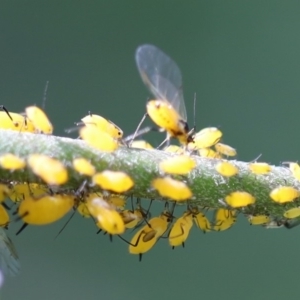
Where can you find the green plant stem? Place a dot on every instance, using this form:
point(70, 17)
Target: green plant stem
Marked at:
point(208, 187)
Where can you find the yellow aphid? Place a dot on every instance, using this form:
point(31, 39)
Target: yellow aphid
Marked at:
point(51, 170)
point(174, 149)
point(147, 236)
point(46, 209)
point(22, 191)
point(226, 169)
point(83, 210)
point(4, 217)
point(15, 122)
point(224, 219)
point(131, 218)
point(117, 201)
point(200, 220)
point(117, 182)
point(5, 192)
point(103, 125)
point(12, 162)
point(163, 78)
point(239, 199)
point(180, 230)
point(284, 194)
point(107, 218)
point(205, 138)
point(178, 165)
point(295, 169)
point(39, 120)
point(83, 166)
point(208, 152)
point(260, 168)
point(292, 213)
point(225, 149)
point(259, 219)
point(98, 139)
point(172, 188)
point(141, 144)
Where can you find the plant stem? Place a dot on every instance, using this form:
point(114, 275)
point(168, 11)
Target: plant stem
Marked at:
point(207, 185)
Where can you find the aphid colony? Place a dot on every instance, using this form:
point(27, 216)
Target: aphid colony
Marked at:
point(112, 207)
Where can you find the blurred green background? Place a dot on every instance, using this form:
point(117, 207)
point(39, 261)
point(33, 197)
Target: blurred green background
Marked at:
point(241, 57)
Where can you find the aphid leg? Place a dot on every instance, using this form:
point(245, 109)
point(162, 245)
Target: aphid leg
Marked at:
point(131, 200)
point(81, 189)
point(138, 128)
point(129, 243)
point(6, 206)
point(130, 138)
point(165, 141)
point(147, 214)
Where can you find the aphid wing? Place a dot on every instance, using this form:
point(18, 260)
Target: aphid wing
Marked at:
point(161, 75)
point(152, 61)
point(163, 89)
point(9, 263)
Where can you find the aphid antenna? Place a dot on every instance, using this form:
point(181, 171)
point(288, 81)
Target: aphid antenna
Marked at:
point(72, 129)
point(194, 128)
point(2, 107)
point(65, 225)
point(256, 159)
point(22, 228)
point(45, 95)
point(288, 162)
